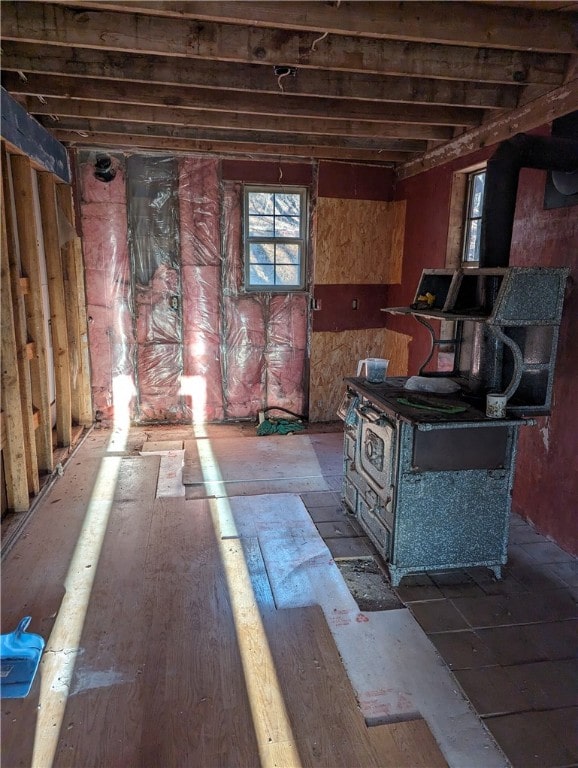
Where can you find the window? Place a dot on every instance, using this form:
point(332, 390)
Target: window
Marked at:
point(275, 227)
point(473, 216)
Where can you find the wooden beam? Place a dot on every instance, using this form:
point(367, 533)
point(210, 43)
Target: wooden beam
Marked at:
point(88, 62)
point(26, 135)
point(388, 149)
point(19, 319)
point(228, 101)
point(130, 141)
point(556, 103)
point(134, 33)
point(76, 320)
point(49, 215)
point(13, 454)
point(393, 135)
point(30, 257)
point(467, 24)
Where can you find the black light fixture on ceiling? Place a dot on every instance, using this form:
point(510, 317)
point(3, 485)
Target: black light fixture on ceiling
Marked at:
point(103, 170)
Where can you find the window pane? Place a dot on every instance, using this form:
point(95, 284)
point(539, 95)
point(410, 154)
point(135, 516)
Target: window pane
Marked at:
point(287, 204)
point(287, 226)
point(286, 275)
point(261, 253)
point(472, 251)
point(259, 274)
point(478, 194)
point(288, 253)
point(261, 226)
point(260, 202)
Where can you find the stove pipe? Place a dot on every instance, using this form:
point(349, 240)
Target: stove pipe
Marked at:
point(501, 187)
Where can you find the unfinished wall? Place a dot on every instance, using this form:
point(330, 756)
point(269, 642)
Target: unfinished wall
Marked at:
point(546, 484)
point(358, 255)
point(169, 318)
point(335, 355)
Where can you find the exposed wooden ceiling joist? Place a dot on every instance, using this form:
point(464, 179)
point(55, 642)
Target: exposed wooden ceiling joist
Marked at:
point(225, 101)
point(134, 33)
point(88, 62)
point(409, 83)
point(465, 24)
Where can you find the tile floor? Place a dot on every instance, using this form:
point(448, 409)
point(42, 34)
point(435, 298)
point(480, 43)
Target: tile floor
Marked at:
point(511, 644)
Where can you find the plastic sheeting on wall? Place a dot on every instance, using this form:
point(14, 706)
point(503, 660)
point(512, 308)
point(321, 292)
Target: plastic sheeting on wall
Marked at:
point(169, 317)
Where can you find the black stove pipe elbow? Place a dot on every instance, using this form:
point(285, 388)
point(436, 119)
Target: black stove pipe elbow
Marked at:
point(501, 187)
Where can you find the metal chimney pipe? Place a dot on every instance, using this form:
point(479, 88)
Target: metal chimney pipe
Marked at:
point(501, 187)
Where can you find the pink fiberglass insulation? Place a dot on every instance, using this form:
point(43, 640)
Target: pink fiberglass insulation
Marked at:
point(232, 239)
point(95, 191)
point(199, 212)
point(245, 381)
point(108, 283)
point(159, 387)
point(285, 367)
point(202, 341)
point(288, 320)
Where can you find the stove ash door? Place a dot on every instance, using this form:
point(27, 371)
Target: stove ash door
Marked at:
point(376, 449)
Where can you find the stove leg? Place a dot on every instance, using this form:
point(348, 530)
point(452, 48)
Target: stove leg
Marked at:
point(497, 571)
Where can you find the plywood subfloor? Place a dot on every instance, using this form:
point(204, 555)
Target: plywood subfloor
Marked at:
point(163, 671)
point(251, 465)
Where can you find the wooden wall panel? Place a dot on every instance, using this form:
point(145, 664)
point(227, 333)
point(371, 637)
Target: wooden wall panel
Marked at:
point(335, 355)
point(358, 241)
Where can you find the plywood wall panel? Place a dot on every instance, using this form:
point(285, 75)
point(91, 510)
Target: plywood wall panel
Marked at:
point(335, 355)
point(358, 241)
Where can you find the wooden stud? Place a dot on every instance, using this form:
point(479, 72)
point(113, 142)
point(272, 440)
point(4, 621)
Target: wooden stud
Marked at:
point(13, 450)
point(30, 257)
point(24, 284)
point(19, 315)
point(76, 320)
point(49, 214)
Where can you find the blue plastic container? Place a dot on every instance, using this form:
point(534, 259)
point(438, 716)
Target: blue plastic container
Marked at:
point(20, 654)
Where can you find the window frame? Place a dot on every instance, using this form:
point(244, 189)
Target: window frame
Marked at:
point(302, 240)
point(468, 217)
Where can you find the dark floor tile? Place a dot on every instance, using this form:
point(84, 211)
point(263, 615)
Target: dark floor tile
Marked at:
point(457, 584)
point(438, 616)
point(491, 690)
point(507, 585)
point(486, 611)
point(334, 513)
point(524, 534)
point(416, 588)
point(534, 576)
point(564, 723)
point(518, 555)
point(463, 650)
point(547, 552)
point(513, 645)
point(516, 520)
point(554, 605)
point(547, 684)
point(321, 499)
point(529, 739)
point(568, 572)
point(555, 639)
point(349, 547)
point(336, 529)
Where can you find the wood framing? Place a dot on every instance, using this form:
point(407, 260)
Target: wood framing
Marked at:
point(76, 321)
point(560, 101)
point(21, 339)
point(30, 257)
point(14, 458)
point(49, 215)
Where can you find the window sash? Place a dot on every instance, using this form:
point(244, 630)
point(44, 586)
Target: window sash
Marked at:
point(275, 266)
point(472, 221)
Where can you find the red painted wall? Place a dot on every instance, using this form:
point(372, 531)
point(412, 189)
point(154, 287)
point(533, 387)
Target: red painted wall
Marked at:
point(546, 484)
